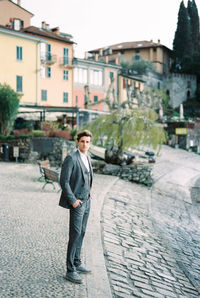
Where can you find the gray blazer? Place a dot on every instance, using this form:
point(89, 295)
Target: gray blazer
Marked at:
point(74, 180)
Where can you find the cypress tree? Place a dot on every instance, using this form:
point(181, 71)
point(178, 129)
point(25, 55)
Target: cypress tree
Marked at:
point(194, 23)
point(182, 45)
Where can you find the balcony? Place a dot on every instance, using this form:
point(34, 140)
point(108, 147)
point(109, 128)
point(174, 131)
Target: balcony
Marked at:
point(48, 59)
point(67, 62)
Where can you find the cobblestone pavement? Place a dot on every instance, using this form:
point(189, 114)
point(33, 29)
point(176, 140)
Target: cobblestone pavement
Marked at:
point(152, 240)
point(34, 235)
point(144, 253)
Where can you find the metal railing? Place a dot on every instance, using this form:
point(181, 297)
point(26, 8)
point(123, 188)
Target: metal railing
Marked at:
point(48, 58)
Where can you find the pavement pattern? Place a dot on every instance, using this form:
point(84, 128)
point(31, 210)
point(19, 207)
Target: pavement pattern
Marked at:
point(140, 242)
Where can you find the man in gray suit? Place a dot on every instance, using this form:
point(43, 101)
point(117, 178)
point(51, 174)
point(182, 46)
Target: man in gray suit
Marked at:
point(76, 181)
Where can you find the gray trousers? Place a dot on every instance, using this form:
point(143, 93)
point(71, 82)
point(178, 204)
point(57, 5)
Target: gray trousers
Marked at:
point(77, 227)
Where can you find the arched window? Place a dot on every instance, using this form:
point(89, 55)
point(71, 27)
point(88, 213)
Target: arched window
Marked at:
point(188, 94)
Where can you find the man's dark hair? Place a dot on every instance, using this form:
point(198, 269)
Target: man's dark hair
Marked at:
point(84, 133)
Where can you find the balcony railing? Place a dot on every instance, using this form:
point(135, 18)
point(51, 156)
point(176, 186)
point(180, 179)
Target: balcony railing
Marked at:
point(67, 62)
point(48, 58)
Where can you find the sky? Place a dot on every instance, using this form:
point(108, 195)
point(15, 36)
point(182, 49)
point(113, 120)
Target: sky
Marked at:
point(100, 23)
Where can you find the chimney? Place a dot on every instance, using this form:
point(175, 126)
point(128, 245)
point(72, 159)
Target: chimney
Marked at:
point(151, 40)
point(159, 41)
point(86, 55)
point(19, 2)
point(43, 25)
point(56, 30)
point(96, 57)
point(101, 52)
point(47, 27)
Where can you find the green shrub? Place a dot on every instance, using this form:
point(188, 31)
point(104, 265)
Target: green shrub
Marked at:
point(38, 133)
point(9, 137)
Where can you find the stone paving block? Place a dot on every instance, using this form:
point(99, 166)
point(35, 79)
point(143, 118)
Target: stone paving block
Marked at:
point(117, 249)
point(117, 271)
point(122, 285)
point(139, 278)
point(143, 285)
point(115, 276)
point(121, 290)
point(166, 293)
point(152, 294)
point(111, 240)
point(166, 276)
point(167, 286)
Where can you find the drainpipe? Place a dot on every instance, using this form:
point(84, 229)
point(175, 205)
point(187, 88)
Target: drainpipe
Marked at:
point(38, 42)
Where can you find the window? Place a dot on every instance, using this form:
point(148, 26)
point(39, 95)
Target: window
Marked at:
point(95, 98)
point(17, 24)
point(43, 51)
point(65, 97)
point(76, 100)
point(80, 75)
point(49, 52)
point(65, 75)
point(136, 58)
point(19, 84)
point(42, 71)
point(49, 72)
point(44, 95)
point(65, 56)
point(111, 74)
point(19, 53)
point(96, 77)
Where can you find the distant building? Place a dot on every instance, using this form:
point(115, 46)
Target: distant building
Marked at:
point(92, 80)
point(130, 52)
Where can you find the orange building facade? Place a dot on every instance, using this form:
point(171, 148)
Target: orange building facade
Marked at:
point(13, 15)
point(56, 69)
point(131, 52)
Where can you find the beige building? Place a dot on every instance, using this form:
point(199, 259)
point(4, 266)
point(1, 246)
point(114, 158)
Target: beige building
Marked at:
point(131, 52)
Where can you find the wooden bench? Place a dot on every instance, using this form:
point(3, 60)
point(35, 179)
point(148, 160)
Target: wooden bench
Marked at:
point(50, 177)
point(43, 164)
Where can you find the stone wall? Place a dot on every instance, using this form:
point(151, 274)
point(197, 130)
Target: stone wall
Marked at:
point(180, 87)
point(33, 149)
point(140, 173)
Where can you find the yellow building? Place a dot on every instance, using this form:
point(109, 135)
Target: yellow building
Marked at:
point(130, 52)
point(36, 62)
point(20, 63)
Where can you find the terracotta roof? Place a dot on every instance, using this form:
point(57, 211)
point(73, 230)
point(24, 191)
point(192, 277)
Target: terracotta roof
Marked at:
point(131, 45)
point(46, 33)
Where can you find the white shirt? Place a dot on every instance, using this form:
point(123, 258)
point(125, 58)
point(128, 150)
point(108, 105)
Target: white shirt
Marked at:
point(85, 160)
